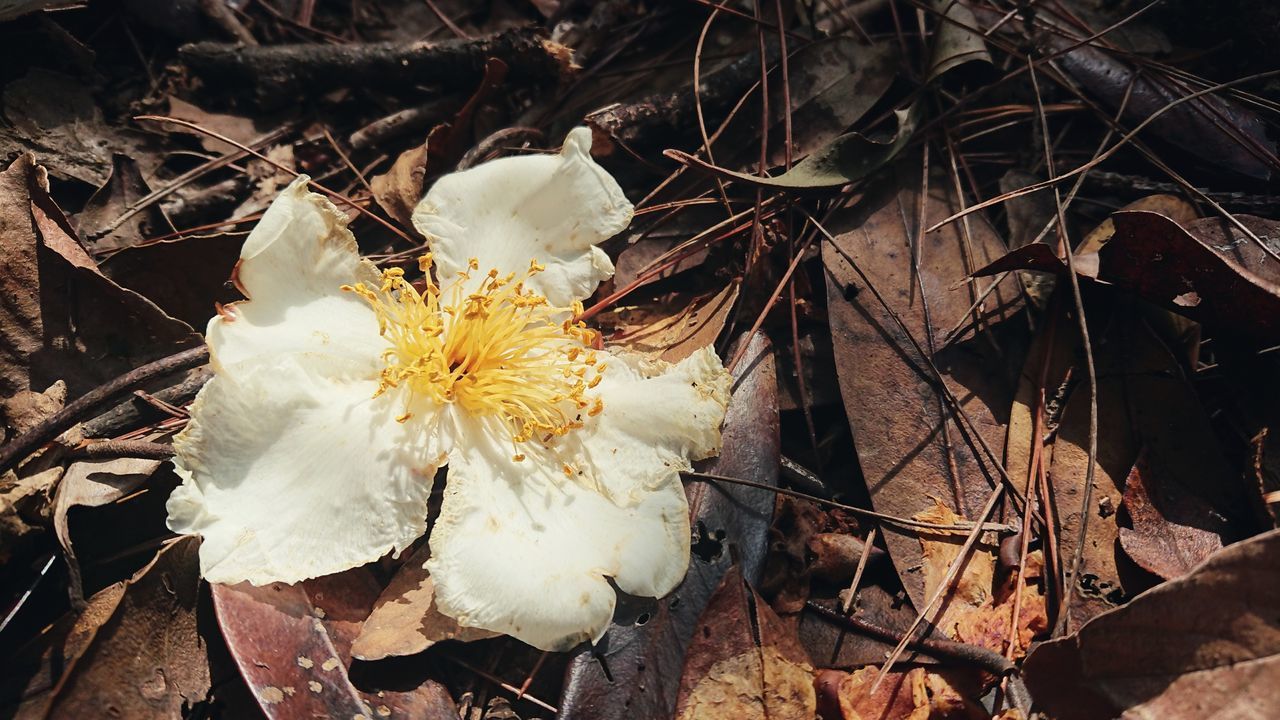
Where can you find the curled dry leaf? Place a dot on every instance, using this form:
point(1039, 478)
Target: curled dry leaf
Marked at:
point(958, 40)
point(67, 322)
point(1209, 271)
point(1205, 645)
point(633, 673)
point(405, 619)
point(1172, 529)
point(674, 336)
point(292, 644)
point(399, 190)
point(911, 446)
point(744, 663)
point(148, 660)
point(94, 483)
point(844, 160)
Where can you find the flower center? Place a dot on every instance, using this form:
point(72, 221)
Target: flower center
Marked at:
point(498, 351)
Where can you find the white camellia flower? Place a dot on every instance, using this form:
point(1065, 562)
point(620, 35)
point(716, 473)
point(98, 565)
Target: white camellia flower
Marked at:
point(338, 391)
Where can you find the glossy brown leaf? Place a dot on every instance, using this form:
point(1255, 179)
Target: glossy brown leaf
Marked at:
point(1202, 646)
point(292, 644)
point(909, 450)
point(634, 672)
point(1209, 271)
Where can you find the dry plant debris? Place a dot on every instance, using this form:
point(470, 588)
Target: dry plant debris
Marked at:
point(995, 285)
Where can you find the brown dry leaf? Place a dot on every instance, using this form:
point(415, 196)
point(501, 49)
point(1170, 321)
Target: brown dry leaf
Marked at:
point(399, 189)
point(148, 660)
point(732, 673)
point(676, 335)
point(1170, 206)
point(405, 620)
point(889, 393)
point(1208, 271)
point(1203, 646)
point(836, 647)
point(1173, 530)
point(236, 127)
point(68, 322)
point(36, 669)
point(99, 222)
point(730, 523)
point(292, 644)
point(915, 694)
point(192, 295)
point(977, 610)
point(94, 483)
point(1140, 387)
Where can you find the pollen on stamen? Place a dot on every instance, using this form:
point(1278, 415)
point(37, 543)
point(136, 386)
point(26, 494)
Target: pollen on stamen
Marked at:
point(496, 349)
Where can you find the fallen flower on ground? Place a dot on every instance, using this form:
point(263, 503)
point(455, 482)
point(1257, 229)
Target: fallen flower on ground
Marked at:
point(339, 391)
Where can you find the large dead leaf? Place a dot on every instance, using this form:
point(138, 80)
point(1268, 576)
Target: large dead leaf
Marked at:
point(1209, 271)
point(292, 644)
point(1143, 400)
point(634, 672)
point(65, 320)
point(1206, 645)
point(148, 660)
point(893, 404)
point(744, 663)
point(1172, 530)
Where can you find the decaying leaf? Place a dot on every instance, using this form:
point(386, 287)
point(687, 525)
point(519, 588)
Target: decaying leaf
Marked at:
point(399, 189)
point(634, 671)
point(844, 160)
point(292, 644)
point(911, 447)
point(405, 620)
point(1140, 388)
point(148, 660)
point(732, 671)
point(677, 335)
point(1202, 646)
point(958, 41)
point(1171, 530)
point(915, 694)
point(977, 609)
point(1209, 271)
point(67, 321)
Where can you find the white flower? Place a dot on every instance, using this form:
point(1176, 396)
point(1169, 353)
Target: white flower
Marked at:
point(339, 391)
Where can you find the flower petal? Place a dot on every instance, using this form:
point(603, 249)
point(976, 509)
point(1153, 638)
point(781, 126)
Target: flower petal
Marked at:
point(292, 268)
point(291, 474)
point(549, 208)
point(522, 549)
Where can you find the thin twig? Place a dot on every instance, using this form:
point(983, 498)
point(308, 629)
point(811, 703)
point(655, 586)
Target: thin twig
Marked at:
point(891, 519)
point(58, 423)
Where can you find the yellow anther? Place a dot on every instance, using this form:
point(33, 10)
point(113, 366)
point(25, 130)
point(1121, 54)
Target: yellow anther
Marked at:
point(496, 350)
point(518, 458)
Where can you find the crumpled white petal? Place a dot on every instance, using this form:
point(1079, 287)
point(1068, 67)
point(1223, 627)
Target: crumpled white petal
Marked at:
point(549, 208)
point(291, 474)
point(292, 268)
point(522, 549)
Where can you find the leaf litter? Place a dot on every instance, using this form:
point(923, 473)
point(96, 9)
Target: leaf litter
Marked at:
point(935, 499)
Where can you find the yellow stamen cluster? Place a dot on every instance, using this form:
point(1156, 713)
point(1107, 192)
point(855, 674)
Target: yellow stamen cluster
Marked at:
point(499, 350)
